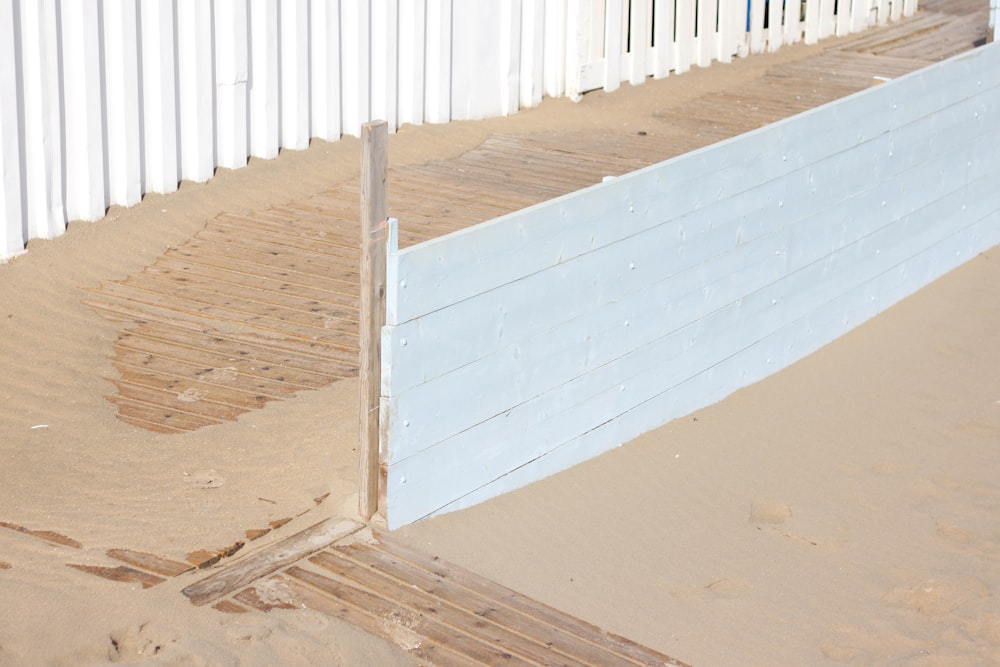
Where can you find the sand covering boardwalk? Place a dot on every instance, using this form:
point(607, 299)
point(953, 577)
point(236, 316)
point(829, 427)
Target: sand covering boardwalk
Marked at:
point(258, 307)
point(433, 610)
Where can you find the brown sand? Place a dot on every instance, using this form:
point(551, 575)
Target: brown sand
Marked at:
point(844, 510)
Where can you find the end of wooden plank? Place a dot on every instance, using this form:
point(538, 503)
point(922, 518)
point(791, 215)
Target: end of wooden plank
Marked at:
point(270, 559)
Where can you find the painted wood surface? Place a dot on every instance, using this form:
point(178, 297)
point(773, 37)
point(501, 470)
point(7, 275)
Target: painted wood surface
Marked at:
point(529, 343)
point(104, 102)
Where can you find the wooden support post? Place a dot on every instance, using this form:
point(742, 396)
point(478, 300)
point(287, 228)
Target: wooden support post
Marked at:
point(374, 209)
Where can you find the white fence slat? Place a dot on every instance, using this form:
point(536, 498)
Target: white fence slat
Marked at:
point(439, 30)
point(775, 28)
point(324, 64)
point(793, 21)
point(232, 68)
point(883, 11)
point(684, 43)
point(355, 21)
point(896, 9)
point(583, 70)
point(159, 97)
point(555, 57)
point(734, 17)
point(708, 19)
point(861, 11)
point(384, 58)
point(639, 27)
point(294, 68)
point(909, 7)
point(480, 62)
point(81, 63)
point(842, 19)
point(265, 103)
point(663, 38)
point(757, 42)
point(811, 31)
point(11, 210)
point(613, 45)
point(412, 47)
point(194, 90)
point(532, 76)
point(121, 82)
point(827, 18)
point(510, 56)
point(43, 139)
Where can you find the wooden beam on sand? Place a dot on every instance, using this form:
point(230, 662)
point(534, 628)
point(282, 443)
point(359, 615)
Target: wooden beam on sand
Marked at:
point(270, 559)
point(374, 235)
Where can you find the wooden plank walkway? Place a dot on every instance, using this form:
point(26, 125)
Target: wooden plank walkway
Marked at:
point(259, 307)
point(435, 611)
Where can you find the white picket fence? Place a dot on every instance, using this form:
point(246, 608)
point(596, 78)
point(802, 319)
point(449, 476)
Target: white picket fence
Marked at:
point(101, 102)
point(517, 348)
point(629, 41)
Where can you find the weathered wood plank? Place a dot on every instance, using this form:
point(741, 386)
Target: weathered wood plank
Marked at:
point(415, 601)
point(390, 628)
point(46, 535)
point(440, 634)
point(152, 563)
point(121, 573)
point(374, 239)
point(313, 328)
point(174, 403)
point(201, 255)
point(280, 382)
point(527, 606)
point(134, 410)
point(174, 286)
point(499, 607)
point(226, 277)
point(264, 562)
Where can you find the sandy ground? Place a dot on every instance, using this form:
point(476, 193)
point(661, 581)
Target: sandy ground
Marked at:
point(845, 511)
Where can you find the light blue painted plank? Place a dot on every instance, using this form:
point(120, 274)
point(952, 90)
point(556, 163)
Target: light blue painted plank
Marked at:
point(521, 372)
point(858, 259)
point(520, 247)
point(516, 310)
point(452, 339)
point(779, 349)
point(761, 313)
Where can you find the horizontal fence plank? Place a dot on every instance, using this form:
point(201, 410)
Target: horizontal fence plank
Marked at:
point(637, 293)
point(535, 239)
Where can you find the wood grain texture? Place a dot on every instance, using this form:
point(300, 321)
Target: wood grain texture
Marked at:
point(266, 561)
point(374, 237)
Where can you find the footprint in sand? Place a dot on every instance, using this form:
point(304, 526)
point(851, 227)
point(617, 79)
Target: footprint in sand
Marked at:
point(937, 597)
point(137, 643)
point(769, 512)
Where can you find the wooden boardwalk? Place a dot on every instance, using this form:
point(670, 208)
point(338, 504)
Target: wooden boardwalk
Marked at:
point(431, 609)
point(259, 307)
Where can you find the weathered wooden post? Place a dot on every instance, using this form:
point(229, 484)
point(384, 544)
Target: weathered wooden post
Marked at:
point(374, 211)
